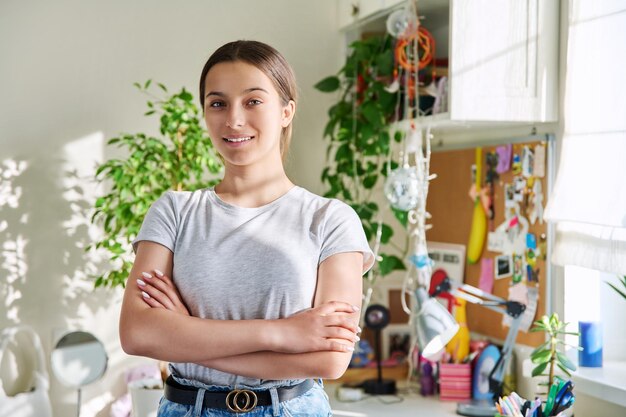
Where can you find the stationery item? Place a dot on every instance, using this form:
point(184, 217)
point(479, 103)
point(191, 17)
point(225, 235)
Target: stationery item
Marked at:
point(486, 275)
point(517, 164)
point(591, 342)
point(528, 296)
point(518, 268)
point(504, 158)
point(455, 381)
point(539, 163)
point(527, 162)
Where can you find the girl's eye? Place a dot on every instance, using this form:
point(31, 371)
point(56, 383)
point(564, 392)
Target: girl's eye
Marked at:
point(216, 104)
point(255, 101)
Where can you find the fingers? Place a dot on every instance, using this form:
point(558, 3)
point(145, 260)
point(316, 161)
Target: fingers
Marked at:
point(155, 289)
point(150, 301)
point(342, 321)
point(341, 333)
point(337, 307)
point(339, 347)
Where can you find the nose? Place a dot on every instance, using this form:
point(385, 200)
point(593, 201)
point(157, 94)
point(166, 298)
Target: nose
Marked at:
point(235, 117)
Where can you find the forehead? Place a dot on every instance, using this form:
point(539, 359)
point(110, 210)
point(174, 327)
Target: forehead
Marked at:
point(235, 77)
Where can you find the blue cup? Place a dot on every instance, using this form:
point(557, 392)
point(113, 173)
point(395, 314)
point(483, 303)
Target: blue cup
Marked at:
point(591, 342)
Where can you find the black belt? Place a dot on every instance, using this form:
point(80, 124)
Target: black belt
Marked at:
point(237, 400)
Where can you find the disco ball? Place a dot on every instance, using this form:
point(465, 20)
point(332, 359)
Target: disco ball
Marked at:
point(402, 188)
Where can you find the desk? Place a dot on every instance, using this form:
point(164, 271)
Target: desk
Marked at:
point(414, 405)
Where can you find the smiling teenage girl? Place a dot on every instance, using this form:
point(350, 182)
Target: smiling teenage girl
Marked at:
point(251, 288)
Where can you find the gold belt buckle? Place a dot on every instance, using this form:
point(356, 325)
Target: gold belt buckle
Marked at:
point(232, 400)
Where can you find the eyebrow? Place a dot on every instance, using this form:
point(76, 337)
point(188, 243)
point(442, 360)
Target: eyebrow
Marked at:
point(246, 91)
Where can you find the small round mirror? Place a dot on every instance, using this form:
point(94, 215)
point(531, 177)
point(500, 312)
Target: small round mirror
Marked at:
point(78, 359)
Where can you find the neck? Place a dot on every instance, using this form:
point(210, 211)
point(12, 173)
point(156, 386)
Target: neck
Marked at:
point(253, 185)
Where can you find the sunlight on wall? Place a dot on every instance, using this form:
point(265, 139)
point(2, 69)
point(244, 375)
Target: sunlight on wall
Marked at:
point(12, 250)
point(80, 191)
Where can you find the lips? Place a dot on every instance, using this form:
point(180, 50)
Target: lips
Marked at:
point(237, 139)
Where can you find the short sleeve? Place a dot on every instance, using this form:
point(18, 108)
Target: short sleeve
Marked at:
point(343, 232)
point(160, 223)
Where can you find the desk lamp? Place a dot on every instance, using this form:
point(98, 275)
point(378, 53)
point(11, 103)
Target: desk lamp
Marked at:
point(435, 327)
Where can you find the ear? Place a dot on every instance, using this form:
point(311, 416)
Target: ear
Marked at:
point(288, 112)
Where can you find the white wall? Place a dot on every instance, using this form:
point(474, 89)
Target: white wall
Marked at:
point(66, 74)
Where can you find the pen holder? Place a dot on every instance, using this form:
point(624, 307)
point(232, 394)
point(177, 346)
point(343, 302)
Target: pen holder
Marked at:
point(455, 381)
point(591, 342)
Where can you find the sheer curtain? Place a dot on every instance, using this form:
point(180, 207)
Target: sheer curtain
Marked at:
point(588, 203)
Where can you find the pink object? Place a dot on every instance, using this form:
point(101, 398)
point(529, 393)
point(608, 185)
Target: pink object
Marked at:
point(455, 381)
point(486, 275)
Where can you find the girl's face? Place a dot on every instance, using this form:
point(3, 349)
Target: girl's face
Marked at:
point(243, 113)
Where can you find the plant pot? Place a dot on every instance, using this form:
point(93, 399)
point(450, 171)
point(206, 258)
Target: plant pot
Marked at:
point(145, 395)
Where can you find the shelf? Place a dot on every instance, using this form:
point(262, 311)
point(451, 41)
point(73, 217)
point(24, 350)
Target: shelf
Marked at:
point(607, 383)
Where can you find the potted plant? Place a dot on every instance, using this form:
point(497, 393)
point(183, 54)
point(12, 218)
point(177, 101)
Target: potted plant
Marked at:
point(183, 158)
point(549, 355)
point(359, 141)
point(622, 283)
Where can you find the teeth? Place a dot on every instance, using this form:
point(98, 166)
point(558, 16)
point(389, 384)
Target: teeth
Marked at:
point(239, 139)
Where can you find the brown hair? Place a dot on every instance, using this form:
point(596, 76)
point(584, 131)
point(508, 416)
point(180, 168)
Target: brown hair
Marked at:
point(270, 62)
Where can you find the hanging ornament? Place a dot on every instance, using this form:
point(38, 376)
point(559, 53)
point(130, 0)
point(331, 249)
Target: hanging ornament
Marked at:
point(401, 23)
point(402, 188)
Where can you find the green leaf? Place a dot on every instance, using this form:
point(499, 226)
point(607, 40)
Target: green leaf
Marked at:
point(564, 369)
point(370, 181)
point(538, 370)
point(390, 263)
point(386, 234)
point(565, 361)
point(147, 84)
point(402, 216)
point(541, 347)
point(328, 84)
point(541, 356)
point(162, 87)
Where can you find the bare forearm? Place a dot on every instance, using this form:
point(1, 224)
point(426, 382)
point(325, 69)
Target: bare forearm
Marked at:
point(163, 335)
point(274, 365)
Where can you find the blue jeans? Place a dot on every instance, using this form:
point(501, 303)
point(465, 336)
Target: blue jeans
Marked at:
point(313, 403)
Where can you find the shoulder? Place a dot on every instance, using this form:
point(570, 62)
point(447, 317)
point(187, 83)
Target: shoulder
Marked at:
point(178, 200)
point(328, 208)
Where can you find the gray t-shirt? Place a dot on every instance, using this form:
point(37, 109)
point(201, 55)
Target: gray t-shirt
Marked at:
point(238, 263)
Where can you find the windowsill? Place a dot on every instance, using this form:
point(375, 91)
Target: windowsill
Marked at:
point(607, 383)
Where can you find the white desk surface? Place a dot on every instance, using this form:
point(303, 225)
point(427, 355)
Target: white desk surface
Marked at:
point(413, 405)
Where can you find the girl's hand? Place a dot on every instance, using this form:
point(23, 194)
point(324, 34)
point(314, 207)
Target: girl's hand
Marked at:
point(159, 291)
point(328, 327)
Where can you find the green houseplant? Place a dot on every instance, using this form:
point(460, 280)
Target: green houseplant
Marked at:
point(621, 291)
point(183, 158)
point(548, 356)
point(359, 140)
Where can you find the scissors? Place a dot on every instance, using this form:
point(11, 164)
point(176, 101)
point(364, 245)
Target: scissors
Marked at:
point(560, 397)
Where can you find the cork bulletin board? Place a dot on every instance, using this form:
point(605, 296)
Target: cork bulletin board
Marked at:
point(452, 210)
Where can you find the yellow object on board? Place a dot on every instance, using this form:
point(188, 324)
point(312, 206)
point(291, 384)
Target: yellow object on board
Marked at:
point(478, 232)
point(459, 346)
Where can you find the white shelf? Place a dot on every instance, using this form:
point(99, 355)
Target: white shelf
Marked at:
point(607, 383)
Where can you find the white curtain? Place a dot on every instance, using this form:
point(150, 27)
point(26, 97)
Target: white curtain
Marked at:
point(588, 203)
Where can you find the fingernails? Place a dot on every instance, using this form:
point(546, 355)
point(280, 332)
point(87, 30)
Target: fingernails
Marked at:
point(358, 338)
point(158, 273)
point(145, 294)
point(350, 348)
point(140, 283)
point(146, 275)
point(358, 329)
point(355, 308)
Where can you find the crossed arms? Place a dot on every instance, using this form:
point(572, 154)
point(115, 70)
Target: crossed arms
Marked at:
point(316, 343)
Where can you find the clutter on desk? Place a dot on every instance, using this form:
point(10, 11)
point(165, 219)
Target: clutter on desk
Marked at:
point(560, 398)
